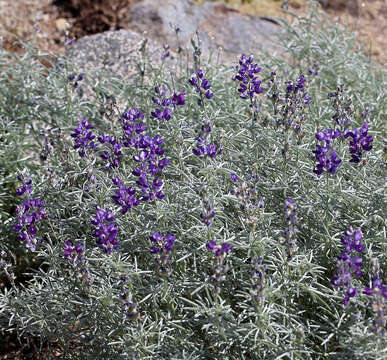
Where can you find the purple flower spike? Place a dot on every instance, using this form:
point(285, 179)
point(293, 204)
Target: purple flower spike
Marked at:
point(351, 292)
point(378, 294)
point(83, 137)
point(150, 163)
point(359, 143)
point(249, 84)
point(218, 250)
point(162, 251)
point(106, 231)
point(164, 112)
point(74, 80)
point(29, 215)
point(166, 52)
point(73, 252)
point(200, 83)
point(289, 234)
point(113, 154)
point(204, 145)
point(377, 289)
point(26, 187)
point(124, 196)
point(326, 157)
point(219, 270)
point(348, 263)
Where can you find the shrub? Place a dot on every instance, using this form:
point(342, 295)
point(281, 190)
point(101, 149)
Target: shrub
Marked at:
point(196, 224)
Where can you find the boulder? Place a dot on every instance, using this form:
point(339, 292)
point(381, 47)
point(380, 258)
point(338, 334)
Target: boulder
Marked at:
point(219, 25)
point(156, 21)
point(340, 5)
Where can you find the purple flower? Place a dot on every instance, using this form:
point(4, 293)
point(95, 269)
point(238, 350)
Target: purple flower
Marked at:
point(377, 287)
point(208, 94)
point(164, 243)
point(106, 231)
point(249, 84)
point(218, 250)
point(211, 245)
point(124, 196)
point(67, 41)
point(130, 307)
point(164, 112)
point(351, 292)
point(29, 215)
point(73, 253)
point(133, 115)
point(348, 263)
point(378, 293)
point(70, 248)
point(219, 270)
point(205, 84)
point(300, 82)
point(163, 163)
point(148, 157)
point(314, 71)
point(178, 99)
point(26, 187)
point(326, 157)
point(342, 106)
point(162, 250)
point(376, 284)
point(200, 83)
point(112, 156)
point(75, 81)
point(83, 137)
point(204, 145)
point(149, 166)
point(226, 247)
point(352, 240)
point(292, 87)
point(359, 143)
point(234, 177)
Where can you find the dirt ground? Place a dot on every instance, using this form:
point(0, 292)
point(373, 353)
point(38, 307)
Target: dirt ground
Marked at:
point(45, 22)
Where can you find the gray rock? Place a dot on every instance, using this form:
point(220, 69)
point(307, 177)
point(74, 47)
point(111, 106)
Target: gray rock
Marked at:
point(119, 52)
point(219, 25)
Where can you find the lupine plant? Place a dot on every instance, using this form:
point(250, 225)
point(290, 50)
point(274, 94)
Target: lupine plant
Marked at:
point(186, 224)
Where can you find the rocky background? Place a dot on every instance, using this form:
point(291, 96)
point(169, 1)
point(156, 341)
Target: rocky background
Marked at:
point(44, 22)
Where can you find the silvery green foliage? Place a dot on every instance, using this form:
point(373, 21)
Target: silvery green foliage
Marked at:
point(120, 306)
